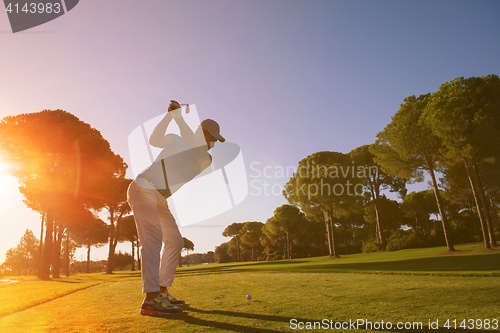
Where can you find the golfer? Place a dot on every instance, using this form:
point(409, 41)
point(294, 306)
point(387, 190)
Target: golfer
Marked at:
point(181, 159)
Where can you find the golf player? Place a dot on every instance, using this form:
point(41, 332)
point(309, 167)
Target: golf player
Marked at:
point(182, 158)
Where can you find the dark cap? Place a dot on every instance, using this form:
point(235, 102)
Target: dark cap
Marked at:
point(212, 127)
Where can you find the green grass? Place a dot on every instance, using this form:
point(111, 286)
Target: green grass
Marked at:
point(458, 286)
point(468, 260)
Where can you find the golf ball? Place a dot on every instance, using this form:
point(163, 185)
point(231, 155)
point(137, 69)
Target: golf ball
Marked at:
point(249, 297)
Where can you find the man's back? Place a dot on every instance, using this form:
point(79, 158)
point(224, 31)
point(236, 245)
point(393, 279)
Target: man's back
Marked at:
point(175, 166)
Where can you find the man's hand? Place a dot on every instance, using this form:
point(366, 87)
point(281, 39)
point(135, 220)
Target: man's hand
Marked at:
point(174, 105)
point(174, 109)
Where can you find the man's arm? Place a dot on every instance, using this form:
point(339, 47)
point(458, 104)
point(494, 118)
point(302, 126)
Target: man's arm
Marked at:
point(187, 134)
point(158, 137)
point(193, 142)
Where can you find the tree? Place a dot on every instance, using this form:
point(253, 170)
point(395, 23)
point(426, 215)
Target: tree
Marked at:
point(73, 213)
point(222, 254)
point(457, 192)
point(391, 216)
point(407, 148)
point(122, 260)
point(418, 206)
point(23, 258)
point(235, 230)
point(114, 199)
point(274, 240)
point(68, 251)
point(55, 158)
point(376, 181)
point(251, 238)
point(93, 232)
point(284, 225)
point(188, 245)
point(456, 187)
point(129, 233)
point(465, 115)
point(328, 182)
point(210, 257)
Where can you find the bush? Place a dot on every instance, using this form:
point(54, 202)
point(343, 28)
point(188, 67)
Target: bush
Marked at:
point(465, 228)
point(402, 239)
point(122, 260)
point(94, 266)
point(371, 246)
point(351, 249)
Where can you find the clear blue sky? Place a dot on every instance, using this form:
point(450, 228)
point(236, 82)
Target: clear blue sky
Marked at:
point(283, 78)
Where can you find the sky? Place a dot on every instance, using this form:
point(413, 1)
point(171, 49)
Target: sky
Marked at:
point(284, 78)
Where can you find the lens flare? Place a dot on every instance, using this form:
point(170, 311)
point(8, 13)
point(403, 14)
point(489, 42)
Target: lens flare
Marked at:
point(4, 167)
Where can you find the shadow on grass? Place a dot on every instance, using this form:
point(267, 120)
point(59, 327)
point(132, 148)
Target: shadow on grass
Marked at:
point(78, 278)
point(229, 326)
point(240, 267)
point(460, 265)
point(333, 326)
point(66, 281)
point(45, 301)
point(469, 263)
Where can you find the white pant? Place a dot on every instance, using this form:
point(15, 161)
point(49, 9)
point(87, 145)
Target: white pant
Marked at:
point(155, 224)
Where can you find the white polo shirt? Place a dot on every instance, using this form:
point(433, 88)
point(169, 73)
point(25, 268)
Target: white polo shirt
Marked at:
point(175, 166)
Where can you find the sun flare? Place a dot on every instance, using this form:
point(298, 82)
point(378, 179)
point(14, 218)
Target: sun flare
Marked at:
point(4, 167)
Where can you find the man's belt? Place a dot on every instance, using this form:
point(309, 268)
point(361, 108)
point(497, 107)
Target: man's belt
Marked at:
point(164, 192)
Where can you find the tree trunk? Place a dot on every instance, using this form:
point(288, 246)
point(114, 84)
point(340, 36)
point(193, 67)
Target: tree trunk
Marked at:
point(56, 263)
point(344, 233)
point(491, 231)
point(325, 213)
point(284, 248)
point(238, 254)
point(332, 228)
point(111, 252)
point(494, 220)
point(377, 215)
point(113, 237)
point(88, 258)
point(138, 257)
point(288, 256)
point(180, 259)
point(40, 254)
point(474, 221)
point(67, 252)
point(47, 248)
point(444, 220)
point(133, 256)
point(478, 206)
point(111, 257)
point(427, 229)
point(322, 244)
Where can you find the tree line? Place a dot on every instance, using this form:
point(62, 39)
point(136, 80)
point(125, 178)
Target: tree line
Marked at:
point(337, 202)
point(24, 259)
point(68, 173)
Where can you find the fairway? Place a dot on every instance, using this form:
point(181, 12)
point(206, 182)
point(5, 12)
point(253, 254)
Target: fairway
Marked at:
point(285, 295)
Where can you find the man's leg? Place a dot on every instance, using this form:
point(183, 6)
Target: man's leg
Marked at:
point(172, 246)
point(145, 208)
